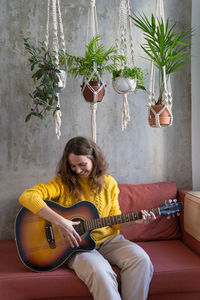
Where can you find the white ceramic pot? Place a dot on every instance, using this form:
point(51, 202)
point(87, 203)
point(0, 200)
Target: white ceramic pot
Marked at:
point(124, 85)
point(62, 79)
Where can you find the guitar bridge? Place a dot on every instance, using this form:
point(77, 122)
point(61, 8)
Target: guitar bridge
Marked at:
point(50, 235)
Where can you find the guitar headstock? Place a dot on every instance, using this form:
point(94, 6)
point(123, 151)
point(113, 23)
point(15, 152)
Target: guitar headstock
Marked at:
point(171, 207)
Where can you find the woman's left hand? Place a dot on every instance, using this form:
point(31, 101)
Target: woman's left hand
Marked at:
point(147, 217)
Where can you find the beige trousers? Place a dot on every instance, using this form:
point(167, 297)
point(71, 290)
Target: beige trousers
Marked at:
point(96, 272)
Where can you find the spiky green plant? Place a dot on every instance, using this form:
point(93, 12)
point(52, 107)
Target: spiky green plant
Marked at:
point(96, 56)
point(45, 77)
point(164, 46)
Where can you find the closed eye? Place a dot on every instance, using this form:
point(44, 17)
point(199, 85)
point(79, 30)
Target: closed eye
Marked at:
point(80, 165)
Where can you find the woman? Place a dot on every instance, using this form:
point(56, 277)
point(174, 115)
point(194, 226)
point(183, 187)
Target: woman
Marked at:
point(82, 175)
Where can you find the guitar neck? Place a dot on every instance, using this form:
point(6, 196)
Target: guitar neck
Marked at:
point(118, 219)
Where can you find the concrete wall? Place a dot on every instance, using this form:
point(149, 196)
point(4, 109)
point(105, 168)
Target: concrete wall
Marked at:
point(195, 91)
point(29, 152)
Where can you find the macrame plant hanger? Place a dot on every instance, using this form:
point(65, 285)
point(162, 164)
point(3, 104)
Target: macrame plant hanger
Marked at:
point(124, 43)
point(167, 94)
point(57, 34)
point(92, 31)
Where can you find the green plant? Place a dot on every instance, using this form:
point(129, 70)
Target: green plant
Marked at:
point(95, 57)
point(45, 78)
point(132, 73)
point(164, 46)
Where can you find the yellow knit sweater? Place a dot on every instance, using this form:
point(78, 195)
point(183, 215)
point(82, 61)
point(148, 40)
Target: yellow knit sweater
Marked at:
point(106, 202)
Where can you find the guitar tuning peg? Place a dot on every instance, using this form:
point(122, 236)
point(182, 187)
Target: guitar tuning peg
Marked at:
point(173, 215)
point(175, 200)
point(178, 214)
point(169, 217)
point(170, 200)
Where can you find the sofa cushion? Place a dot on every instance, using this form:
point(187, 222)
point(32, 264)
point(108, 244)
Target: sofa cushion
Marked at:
point(19, 283)
point(176, 267)
point(176, 270)
point(134, 197)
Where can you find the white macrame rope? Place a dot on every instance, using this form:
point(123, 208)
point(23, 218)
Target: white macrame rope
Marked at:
point(167, 83)
point(62, 38)
point(55, 43)
point(93, 107)
point(131, 84)
point(57, 23)
point(92, 26)
point(125, 112)
point(124, 43)
point(46, 39)
point(92, 31)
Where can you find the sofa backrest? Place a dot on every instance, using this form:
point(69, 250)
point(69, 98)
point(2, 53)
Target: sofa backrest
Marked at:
point(134, 197)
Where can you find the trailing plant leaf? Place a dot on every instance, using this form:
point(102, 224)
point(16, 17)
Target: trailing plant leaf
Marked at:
point(45, 78)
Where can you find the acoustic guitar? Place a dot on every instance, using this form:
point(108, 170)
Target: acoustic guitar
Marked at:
point(41, 246)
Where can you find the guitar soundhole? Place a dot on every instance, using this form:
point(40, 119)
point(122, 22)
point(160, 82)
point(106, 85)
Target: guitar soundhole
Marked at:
point(80, 229)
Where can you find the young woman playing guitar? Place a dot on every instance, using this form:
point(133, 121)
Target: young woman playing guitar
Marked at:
point(82, 175)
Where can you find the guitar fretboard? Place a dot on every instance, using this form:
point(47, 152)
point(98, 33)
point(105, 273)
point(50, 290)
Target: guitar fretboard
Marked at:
point(119, 219)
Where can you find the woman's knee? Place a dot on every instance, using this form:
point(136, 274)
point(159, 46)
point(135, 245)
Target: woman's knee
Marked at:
point(141, 261)
point(145, 263)
point(102, 272)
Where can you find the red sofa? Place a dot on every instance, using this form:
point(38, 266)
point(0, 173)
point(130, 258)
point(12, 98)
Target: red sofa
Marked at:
point(174, 254)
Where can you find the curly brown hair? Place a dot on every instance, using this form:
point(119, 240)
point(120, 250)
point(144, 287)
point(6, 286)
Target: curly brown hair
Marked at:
point(82, 146)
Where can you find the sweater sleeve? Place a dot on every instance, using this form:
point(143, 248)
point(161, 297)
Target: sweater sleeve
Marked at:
point(33, 198)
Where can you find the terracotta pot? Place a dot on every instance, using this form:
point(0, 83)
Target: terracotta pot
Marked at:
point(164, 117)
point(89, 94)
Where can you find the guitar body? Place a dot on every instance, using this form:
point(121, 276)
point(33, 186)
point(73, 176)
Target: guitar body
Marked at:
point(32, 237)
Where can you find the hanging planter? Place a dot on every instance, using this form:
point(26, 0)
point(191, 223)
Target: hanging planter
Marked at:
point(128, 80)
point(91, 67)
point(96, 62)
point(48, 67)
point(46, 80)
point(168, 51)
point(93, 91)
point(160, 115)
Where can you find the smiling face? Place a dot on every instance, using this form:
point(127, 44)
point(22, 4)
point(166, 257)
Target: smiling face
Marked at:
point(80, 164)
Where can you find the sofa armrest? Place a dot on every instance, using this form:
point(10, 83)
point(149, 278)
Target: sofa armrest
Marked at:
point(189, 219)
point(192, 214)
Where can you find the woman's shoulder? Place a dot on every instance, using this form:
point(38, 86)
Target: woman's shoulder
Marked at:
point(56, 181)
point(109, 180)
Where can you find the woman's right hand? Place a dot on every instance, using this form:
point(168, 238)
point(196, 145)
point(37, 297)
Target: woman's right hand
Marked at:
point(68, 232)
point(65, 226)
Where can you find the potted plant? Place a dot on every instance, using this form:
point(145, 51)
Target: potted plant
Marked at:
point(126, 80)
point(169, 50)
point(48, 80)
point(95, 62)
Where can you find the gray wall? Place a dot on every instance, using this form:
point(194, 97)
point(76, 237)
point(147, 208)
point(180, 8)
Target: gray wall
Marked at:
point(195, 91)
point(29, 152)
